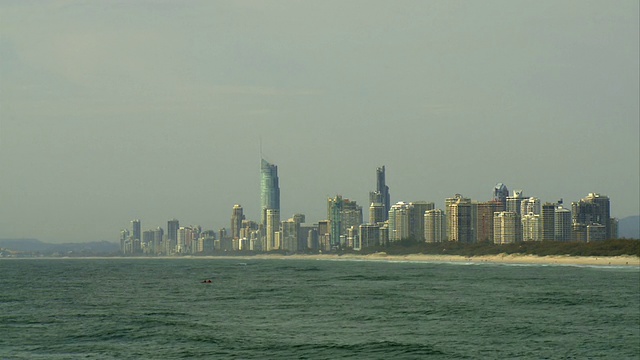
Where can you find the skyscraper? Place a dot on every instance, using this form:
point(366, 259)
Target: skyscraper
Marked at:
point(530, 205)
point(290, 235)
point(531, 227)
point(596, 232)
point(172, 235)
point(269, 189)
point(147, 241)
point(273, 226)
point(514, 205)
point(342, 214)
point(460, 222)
point(399, 222)
point(563, 224)
point(377, 213)
point(158, 234)
point(434, 226)
point(135, 230)
point(547, 218)
point(505, 227)
point(136, 236)
point(324, 235)
point(593, 209)
point(236, 221)
point(334, 214)
point(369, 235)
point(484, 222)
point(514, 202)
point(500, 193)
point(381, 194)
point(125, 241)
point(417, 210)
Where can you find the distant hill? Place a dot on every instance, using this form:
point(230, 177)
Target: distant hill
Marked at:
point(34, 245)
point(629, 227)
point(20, 244)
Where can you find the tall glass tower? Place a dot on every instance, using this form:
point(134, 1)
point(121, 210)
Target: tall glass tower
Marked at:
point(381, 194)
point(269, 189)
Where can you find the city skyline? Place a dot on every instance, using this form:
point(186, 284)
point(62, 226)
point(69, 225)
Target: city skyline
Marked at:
point(113, 111)
point(503, 219)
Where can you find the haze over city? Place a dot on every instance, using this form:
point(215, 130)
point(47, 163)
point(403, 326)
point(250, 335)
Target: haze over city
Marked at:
point(152, 110)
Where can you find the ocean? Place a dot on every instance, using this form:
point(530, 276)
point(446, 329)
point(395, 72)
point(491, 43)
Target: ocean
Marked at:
point(315, 309)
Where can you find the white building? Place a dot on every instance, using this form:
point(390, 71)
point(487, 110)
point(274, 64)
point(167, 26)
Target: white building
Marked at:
point(505, 227)
point(434, 226)
point(531, 227)
point(399, 222)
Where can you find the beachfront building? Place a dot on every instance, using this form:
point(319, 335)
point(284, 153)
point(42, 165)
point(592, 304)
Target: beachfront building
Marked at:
point(434, 226)
point(505, 227)
point(531, 227)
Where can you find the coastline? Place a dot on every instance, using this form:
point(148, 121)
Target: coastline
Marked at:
point(623, 260)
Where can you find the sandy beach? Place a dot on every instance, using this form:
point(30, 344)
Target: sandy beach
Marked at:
point(632, 261)
point(500, 258)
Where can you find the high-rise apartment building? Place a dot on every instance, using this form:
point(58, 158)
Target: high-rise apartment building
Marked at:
point(399, 222)
point(172, 235)
point(530, 205)
point(417, 209)
point(460, 227)
point(147, 241)
point(351, 216)
point(136, 237)
point(135, 230)
point(334, 214)
point(377, 213)
point(342, 214)
point(369, 235)
point(500, 193)
point(269, 189)
point(484, 223)
point(593, 209)
point(579, 232)
point(531, 227)
point(290, 235)
point(434, 226)
point(447, 203)
point(613, 227)
point(273, 226)
point(514, 204)
point(596, 232)
point(563, 224)
point(125, 241)
point(311, 242)
point(324, 235)
point(547, 219)
point(505, 227)
point(381, 194)
point(186, 236)
point(353, 238)
point(236, 221)
point(158, 235)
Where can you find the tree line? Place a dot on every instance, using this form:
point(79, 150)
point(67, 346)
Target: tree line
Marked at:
point(614, 247)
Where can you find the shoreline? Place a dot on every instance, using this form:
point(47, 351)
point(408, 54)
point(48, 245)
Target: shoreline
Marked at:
point(623, 260)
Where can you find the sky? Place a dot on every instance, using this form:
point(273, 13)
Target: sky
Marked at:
point(119, 110)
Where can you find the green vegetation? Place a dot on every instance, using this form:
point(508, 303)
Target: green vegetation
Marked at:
point(539, 248)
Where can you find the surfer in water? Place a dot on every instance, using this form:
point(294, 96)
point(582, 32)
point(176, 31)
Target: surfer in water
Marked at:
point(208, 281)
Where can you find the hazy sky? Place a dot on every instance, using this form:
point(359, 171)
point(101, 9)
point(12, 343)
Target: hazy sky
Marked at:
point(116, 110)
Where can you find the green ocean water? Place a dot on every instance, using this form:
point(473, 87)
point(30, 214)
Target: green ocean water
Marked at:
point(314, 309)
